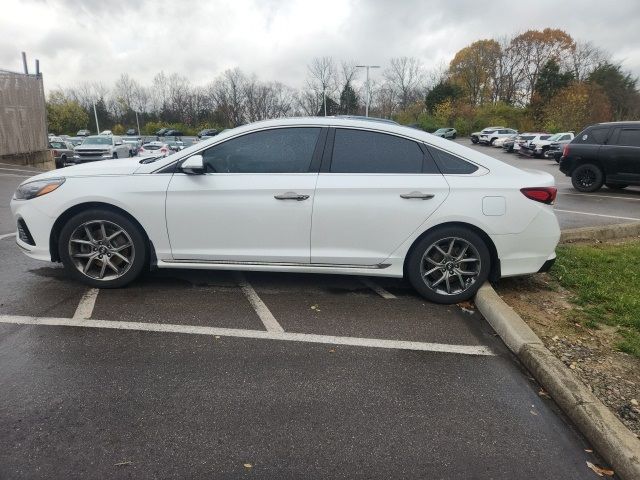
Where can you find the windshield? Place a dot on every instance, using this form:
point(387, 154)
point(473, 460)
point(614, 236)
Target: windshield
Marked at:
point(57, 145)
point(555, 137)
point(97, 141)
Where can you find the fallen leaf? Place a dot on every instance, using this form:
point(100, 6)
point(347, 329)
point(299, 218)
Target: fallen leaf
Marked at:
point(248, 465)
point(601, 472)
point(588, 450)
point(533, 413)
point(315, 307)
point(332, 350)
point(128, 462)
point(543, 393)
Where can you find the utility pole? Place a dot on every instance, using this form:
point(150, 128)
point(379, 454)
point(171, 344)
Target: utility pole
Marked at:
point(95, 113)
point(366, 111)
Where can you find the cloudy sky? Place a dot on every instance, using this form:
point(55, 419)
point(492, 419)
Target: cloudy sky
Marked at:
point(97, 40)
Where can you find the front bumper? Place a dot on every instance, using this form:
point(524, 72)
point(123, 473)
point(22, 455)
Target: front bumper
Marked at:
point(38, 224)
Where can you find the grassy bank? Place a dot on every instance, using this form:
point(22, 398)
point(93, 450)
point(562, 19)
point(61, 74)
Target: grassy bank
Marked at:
point(605, 282)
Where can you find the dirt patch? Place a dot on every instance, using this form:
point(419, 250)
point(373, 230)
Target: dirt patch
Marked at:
point(613, 376)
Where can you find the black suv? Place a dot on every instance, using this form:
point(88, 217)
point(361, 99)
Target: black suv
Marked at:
point(605, 153)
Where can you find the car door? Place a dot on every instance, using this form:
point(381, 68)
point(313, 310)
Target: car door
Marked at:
point(623, 152)
point(254, 202)
point(374, 190)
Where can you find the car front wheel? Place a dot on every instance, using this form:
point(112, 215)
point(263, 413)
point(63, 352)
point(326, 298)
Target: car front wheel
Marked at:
point(449, 264)
point(101, 248)
point(587, 178)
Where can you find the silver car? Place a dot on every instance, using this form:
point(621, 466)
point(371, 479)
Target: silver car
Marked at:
point(446, 133)
point(100, 147)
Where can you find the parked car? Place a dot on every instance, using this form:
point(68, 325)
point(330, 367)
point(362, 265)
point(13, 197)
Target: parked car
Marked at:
point(175, 145)
point(441, 214)
point(61, 150)
point(603, 154)
point(537, 148)
point(155, 148)
point(161, 132)
point(527, 146)
point(173, 133)
point(446, 133)
point(488, 136)
point(106, 132)
point(100, 147)
point(134, 145)
point(475, 136)
point(522, 139)
point(132, 132)
point(499, 142)
point(76, 140)
point(555, 149)
point(207, 132)
point(83, 133)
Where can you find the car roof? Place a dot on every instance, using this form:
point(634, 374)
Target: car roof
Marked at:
point(634, 123)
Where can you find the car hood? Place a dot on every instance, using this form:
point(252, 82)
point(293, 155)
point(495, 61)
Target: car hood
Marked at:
point(126, 166)
point(93, 147)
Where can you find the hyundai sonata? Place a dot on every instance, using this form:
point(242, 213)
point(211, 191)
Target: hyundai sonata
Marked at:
point(321, 195)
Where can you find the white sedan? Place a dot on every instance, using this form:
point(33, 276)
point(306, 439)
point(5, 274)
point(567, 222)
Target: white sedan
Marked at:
point(315, 195)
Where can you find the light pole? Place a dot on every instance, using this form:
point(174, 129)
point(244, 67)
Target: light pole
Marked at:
point(138, 123)
point(95, 113)
point(366, 108)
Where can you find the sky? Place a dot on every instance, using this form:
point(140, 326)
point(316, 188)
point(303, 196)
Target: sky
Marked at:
point(97, 40)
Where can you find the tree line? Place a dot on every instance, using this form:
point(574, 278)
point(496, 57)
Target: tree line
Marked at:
point(539, 79)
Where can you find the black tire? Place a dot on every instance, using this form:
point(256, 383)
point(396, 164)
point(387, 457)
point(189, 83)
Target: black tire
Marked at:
point(587, 178)
point(474, 139)
point(139, 249)
point(453, 136)
point(416, 265)
point(115, 155)
point(491, 142)
point(616, 186)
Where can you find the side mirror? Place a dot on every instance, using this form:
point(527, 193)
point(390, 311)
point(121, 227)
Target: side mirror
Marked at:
point(193, 165)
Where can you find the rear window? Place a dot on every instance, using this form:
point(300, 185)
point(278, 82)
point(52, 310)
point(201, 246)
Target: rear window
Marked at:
point(151, 147)
point(57, 145)
point(595, 136)
point(526, 137)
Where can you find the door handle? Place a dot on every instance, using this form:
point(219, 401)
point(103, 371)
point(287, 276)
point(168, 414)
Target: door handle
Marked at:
point(418, 195)
point(291, 196)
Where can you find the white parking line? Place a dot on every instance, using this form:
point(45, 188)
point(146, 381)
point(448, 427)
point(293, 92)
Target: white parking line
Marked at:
point(19, 170)
point(600, 196)
point(269, 321)
point(256, 334)
point(378, 289)
point(598, 215)
point(7, 235)
point(85, 307)
point(14, 175)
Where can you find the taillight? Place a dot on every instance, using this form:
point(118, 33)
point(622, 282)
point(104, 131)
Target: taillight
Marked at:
point(565, 150)
point(541, 194)
point(163, 150)
point(55, 153)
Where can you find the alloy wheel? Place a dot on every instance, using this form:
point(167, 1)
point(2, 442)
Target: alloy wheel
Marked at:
point(101, 250)
point(450, 266)
point(586, 178)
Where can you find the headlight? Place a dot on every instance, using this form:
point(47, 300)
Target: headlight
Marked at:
point(37, 188)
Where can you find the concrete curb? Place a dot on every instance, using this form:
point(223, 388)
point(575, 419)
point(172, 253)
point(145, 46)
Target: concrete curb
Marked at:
point(615, 442)
point(608, 232)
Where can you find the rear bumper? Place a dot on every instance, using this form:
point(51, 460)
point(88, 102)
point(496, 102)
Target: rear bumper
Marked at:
point(546, 266)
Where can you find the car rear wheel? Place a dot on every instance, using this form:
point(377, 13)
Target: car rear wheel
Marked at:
point(587, 178)
point(449, 264)
point(115, 155)
point(474, 140)
point(453, 136)
point(102, 248)
point(616, 186)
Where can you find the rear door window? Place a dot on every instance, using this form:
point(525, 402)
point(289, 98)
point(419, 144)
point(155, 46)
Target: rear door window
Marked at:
point(361, 151)
point(629, 137)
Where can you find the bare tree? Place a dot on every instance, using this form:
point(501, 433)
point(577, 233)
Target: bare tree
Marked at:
point(322, 78)
point(404, 76)
point(229, 94)
point(584, 59)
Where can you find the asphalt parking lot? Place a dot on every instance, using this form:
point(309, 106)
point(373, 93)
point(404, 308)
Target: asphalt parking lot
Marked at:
point(214, 374)
point(575, 209)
